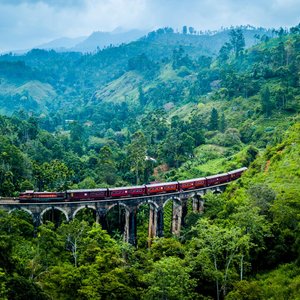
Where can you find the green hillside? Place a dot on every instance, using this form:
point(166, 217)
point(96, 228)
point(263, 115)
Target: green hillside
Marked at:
point(198, 114)
point(194, 105)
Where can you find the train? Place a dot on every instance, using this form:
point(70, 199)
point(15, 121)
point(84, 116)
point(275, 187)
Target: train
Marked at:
point(131, 191)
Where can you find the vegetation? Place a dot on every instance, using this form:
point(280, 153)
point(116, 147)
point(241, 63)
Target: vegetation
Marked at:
point(117, 118)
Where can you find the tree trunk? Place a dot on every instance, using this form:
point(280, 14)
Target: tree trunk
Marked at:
point(242, 267)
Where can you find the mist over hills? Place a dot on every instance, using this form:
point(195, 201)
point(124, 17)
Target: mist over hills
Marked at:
point(210, 41)
point(97, 40)
point(61, 44)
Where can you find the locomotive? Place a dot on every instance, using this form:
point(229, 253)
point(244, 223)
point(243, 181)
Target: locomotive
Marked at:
point(132, 191)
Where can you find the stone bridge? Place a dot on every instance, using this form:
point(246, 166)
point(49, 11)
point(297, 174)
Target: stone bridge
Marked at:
point(131, 205)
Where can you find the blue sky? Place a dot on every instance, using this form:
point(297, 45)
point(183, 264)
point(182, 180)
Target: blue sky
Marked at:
point(27, 23)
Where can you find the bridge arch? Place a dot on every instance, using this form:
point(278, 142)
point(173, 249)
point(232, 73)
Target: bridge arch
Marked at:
point(119, 203)
point(217, 191)
point(23, 209)
point(83, 207)
point(53, 208)
point(177, 199)
point(149, 202)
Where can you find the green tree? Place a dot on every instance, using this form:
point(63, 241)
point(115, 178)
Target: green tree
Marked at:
point(169, 279)
point(26, 185)
point(77, 132)
point(218, 249)
point(137, 154)
point(62, 282)
point(266, 103)
point(237, 41)
point(224, 52)
point(3, 290)
point(50, 247)
point(73, 235)
point(142, 97)
point(87, 183)
point(223, 123)
point(53, 176)
point(106, 166)
point(214, 120)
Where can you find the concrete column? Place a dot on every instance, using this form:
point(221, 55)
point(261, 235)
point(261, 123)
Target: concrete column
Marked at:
point(126, 227)
point(198, 204)
point(152, 227)
point(132, 227)
point(101, 218)
point(195, 205)
point(36, 219)
point(160, 222)
point(201, 205)
point(184, 204)
point(177, 216)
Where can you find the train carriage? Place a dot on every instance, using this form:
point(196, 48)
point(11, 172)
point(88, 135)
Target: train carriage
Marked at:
point(166, 187)
point(130, 191)
point(217, 179)
point(191, 184)
point(235, 174)
point(32, 196)
point(86, 194)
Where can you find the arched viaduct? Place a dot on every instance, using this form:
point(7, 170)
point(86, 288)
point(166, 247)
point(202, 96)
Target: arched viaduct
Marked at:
point(131, 205)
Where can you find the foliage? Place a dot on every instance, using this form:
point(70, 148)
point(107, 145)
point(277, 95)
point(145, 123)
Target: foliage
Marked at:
point(116, 118)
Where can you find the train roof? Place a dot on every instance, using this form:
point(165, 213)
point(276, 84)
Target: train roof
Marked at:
point(238, 170)
point(87, 190)
point(44, 192)
point(161, 184)
point(192, 180)
point(216, 176)
point(127, 188)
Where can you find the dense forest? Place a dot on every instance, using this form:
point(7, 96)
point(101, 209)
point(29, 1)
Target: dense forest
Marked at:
point(166, 107)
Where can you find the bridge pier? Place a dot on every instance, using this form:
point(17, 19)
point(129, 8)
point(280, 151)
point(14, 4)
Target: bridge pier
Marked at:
point(152, 227)
point(130, 225)
point(176, 218)
point(160, 222)
point(101, 217)
point(184, 212)
point(36, 219)
point(198, 204)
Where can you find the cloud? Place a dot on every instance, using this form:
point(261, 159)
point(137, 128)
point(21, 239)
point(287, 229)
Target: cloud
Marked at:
point(58, 3)
point(26, 23)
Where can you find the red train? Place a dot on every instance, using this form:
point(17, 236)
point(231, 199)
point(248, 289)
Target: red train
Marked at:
point(132, 191)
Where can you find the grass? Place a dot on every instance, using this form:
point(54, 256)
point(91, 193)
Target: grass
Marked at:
point(39, 91)
point(121, 89)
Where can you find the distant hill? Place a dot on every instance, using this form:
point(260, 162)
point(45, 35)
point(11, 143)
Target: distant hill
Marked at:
point(206, 43)
point(97, 40)
point(114, 74)
point(62, 44)
point(100, 40)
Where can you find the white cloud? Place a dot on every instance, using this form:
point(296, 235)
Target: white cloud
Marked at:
point(25, 23)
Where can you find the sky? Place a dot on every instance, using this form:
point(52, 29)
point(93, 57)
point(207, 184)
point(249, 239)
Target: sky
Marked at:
point(28, 23)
